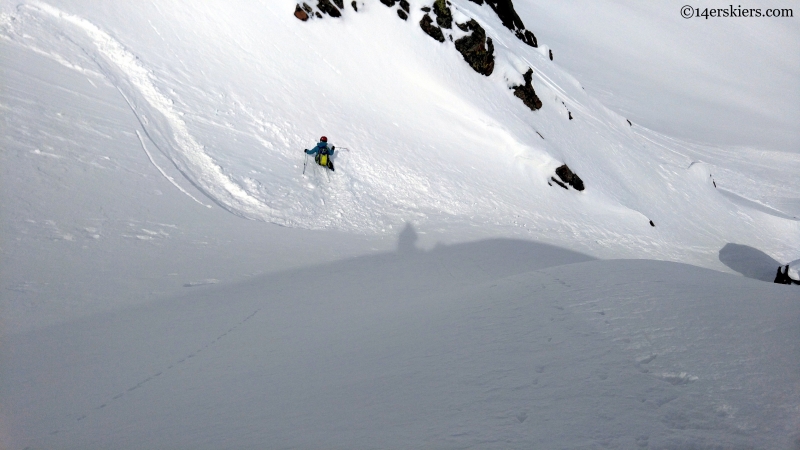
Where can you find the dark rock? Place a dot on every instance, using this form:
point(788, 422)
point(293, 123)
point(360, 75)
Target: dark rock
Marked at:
point(319, 16)
point(300, 14)
point(783, 277)
point(402, 14)
point(480, 2)
point(430, 29)
point(354, 5)
point(505, 11)
point(426, 9)
point(526, 93)
point(339, 3)
point(327, 7)
point(307, 8)
point(558, 183)
point(443, 15)
point(389, 3)
point(477, 50)
point(652, 224)
point(551, 55)
point(526, 37)
point(570, 115)
point(406, 7)
point(569, 177)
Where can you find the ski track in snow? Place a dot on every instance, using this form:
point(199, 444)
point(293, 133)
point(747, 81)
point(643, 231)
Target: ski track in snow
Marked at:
point(206, 173)
point(371, 193)
point(160, 170)
point(165, 371)
point(343, 353)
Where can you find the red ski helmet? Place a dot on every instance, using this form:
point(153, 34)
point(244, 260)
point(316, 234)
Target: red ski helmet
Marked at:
point(323, 139)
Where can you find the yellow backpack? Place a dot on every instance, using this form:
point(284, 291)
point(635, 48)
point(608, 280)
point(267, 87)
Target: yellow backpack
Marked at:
point(323, 159)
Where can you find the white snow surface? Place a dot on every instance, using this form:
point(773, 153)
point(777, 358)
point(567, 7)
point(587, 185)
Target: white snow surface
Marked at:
point(169, 277)
point(794, 270)
point(731, 81)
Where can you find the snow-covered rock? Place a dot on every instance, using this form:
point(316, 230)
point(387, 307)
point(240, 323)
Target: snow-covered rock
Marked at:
point(789, 274)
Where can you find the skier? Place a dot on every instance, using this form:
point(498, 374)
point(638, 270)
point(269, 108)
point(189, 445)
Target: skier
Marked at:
point(322, 153)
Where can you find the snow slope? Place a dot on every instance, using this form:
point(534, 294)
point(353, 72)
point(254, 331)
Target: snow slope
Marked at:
point(728, 81)
point(217, 94)
point(434, 292)
point(499, 344)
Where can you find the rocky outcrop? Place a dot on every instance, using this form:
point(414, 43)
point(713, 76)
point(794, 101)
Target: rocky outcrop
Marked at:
point(327, 7)
point(569, 113)
point(570, 178)
point(558, 183)
point(783, 276)
point(354, 5)
point(526, 93)
point(505, 11)
point(476, 48)
point(526, 37)
point(444, 18)
point(300, 14)
point(404, 9)
point(430, 29)
point(339, 3)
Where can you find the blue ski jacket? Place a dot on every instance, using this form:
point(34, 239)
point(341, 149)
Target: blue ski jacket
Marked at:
point(321, 146)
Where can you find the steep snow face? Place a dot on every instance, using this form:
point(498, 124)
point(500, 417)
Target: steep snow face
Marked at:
point(727, 80)
point(132, 129)
point(231, 94)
